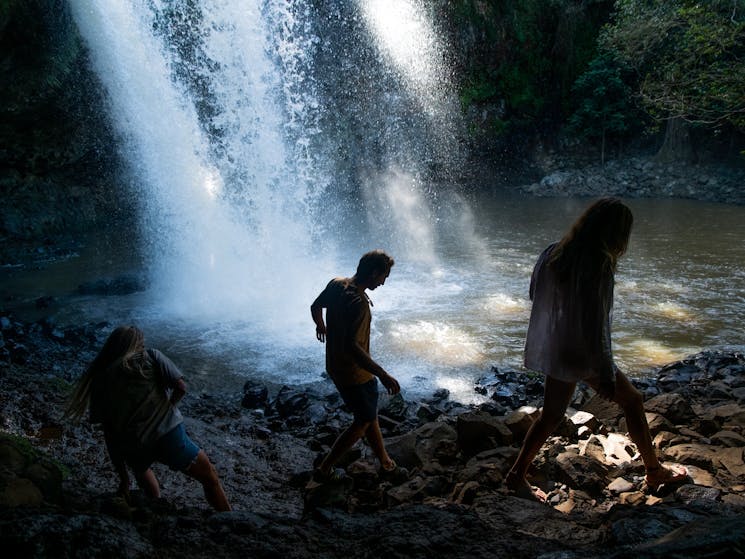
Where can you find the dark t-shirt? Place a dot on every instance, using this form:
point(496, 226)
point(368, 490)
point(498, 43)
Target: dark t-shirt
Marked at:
point(131, 398)
point(347, 320)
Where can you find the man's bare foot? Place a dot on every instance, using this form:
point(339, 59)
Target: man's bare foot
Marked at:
point(521, 488)
point(656, 477)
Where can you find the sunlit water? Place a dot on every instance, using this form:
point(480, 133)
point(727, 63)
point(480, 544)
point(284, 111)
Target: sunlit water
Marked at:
point(442, 324)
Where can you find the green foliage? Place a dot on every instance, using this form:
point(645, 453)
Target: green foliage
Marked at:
point(478, 88)
point(526, 55)
point(689, 57)
point(604, 100)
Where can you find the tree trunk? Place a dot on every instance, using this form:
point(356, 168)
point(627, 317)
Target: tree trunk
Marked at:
point(677, 143)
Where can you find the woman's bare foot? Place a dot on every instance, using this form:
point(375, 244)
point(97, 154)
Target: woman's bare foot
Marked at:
point(661, 475)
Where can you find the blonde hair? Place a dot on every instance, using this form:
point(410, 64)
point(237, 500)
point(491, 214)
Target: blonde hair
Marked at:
point(585, 258)
point(122, 343)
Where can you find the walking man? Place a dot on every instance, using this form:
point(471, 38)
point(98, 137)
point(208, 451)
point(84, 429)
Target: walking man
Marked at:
point(355, 373)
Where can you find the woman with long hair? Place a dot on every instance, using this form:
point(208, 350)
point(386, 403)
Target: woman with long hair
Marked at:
point(133, 392)
point(569, 340)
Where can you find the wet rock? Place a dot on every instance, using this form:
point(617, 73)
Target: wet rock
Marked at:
point(480, 431)
point(255, 396)
point(582, 472)
point(396, 408)
point(290, 402)
point(674, 407)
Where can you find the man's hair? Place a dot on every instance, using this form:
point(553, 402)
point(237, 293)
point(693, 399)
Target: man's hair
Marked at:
point(372, 264)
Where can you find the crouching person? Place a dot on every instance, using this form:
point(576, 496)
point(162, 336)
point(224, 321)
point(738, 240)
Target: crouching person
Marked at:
point(133, 392)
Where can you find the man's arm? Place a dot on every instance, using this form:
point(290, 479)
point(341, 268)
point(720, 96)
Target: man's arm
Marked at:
point(316, 312)
point(363, 359)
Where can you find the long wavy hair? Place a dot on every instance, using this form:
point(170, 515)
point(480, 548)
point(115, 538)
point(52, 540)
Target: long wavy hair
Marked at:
point(121, 345)
point(588, 254)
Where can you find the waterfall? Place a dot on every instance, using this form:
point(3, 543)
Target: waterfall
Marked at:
point(270, 143)
point(216, 130)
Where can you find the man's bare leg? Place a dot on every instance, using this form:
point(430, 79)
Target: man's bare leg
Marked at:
point(375, 440)
point(346, 440)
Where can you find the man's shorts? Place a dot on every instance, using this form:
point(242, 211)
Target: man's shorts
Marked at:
point(174, 449)
point(362, 400)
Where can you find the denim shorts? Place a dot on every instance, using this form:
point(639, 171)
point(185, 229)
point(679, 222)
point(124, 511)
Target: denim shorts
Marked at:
point(174, 449)
point(362, 400)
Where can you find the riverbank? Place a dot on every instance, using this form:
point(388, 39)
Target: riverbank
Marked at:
point(641, 177)
point(58, 488)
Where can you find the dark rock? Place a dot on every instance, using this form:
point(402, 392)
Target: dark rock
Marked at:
point(479, 431)
point(707, 537)
point(290, 402)
point(675, 407)
point(582, 472)
point(255, 395)
point(121, 285)
point(396, 408)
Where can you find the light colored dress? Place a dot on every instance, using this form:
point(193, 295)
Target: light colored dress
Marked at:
point(569, 336)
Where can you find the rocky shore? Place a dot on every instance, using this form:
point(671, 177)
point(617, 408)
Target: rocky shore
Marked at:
point(57, 489)
point(641, 177)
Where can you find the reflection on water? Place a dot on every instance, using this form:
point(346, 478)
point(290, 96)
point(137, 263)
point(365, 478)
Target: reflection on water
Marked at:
point(681, 287)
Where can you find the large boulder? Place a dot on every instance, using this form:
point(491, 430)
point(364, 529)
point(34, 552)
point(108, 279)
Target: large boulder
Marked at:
point(27, 477)
point(478, 431)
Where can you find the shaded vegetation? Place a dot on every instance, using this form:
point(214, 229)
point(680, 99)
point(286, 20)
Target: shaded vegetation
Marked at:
point(602, 70)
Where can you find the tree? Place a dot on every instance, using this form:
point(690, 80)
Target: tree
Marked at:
point(605, 106)
point(689, 57)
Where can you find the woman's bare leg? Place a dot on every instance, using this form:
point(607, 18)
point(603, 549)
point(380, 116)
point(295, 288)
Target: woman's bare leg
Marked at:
point(632, 404)
point(557, 395)
point(148, 483)
point(203, 471)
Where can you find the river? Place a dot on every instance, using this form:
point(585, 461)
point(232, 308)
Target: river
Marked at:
point(443, 321)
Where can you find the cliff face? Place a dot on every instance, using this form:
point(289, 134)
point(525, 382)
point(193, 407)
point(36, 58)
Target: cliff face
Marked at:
point(58, 158)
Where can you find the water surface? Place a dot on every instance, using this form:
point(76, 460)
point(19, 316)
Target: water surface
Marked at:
point(444, 320)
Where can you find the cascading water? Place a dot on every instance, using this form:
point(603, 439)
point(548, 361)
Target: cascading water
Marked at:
point(206, 113)
point(266, 158)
